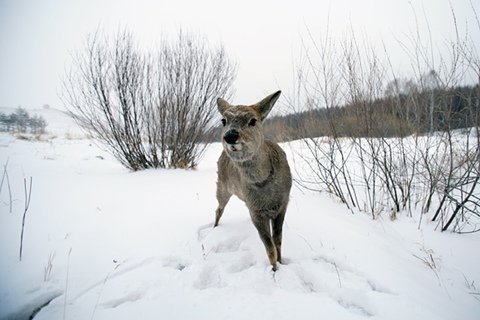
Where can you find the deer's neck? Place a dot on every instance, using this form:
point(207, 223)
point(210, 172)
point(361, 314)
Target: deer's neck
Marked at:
point(259, 170)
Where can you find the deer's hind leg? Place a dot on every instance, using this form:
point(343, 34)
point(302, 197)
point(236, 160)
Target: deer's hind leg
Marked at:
point(277, 226)
point(263, 227)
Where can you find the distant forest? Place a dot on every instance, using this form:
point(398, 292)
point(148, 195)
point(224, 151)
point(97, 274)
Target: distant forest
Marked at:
point(393, 115)
point(22, 122)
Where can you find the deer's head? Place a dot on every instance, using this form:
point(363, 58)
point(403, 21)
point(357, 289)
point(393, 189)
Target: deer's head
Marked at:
point(242, 133)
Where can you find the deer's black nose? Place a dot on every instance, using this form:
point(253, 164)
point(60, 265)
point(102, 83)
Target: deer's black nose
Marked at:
point(231, 136)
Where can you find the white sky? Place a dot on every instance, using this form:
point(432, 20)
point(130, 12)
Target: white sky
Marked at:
point(37, 37)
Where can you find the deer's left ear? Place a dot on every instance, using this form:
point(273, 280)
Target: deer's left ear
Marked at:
point(263, 107)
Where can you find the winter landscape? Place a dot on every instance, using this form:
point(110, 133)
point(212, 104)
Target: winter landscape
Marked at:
point(108, 192)
point(102, 242)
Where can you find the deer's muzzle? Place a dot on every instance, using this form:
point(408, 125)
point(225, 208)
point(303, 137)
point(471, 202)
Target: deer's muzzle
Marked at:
point(231, 136)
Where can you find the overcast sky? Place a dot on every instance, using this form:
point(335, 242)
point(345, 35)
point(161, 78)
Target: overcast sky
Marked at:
point(37, 37)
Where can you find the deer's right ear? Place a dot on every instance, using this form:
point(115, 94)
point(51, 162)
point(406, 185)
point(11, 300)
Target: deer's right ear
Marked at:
point(222, 105)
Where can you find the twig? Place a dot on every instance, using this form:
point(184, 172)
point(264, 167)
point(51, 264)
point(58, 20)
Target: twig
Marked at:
point(28, 196)
point(5, 175)
point(338, 274)
point(204, 253)
point(66, 286)
point(476, 295)
point(429, 260)
point(103, 285)
point(47, 270)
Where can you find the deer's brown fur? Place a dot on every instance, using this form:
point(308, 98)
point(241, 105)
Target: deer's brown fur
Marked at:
point(255, 170)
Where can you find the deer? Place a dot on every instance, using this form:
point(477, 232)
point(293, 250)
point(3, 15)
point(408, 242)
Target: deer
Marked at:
point(255, 170)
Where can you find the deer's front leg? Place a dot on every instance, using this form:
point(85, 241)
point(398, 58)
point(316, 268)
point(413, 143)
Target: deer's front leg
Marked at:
point(222, 197)
point(263, 227)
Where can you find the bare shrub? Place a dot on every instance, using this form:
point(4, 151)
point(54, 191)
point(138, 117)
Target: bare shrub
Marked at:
point(395, 144)
point(148, 110)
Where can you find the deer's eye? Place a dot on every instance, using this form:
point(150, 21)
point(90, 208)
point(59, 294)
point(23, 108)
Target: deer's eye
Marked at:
point(224, 122)
point(252, 122)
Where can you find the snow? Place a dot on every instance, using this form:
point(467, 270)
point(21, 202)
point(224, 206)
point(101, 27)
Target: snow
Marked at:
point(141, 245)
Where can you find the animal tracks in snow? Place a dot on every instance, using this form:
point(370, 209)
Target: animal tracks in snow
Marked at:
point(326, 280)
point(228, 259)
point(233, 256)
point(125, 298)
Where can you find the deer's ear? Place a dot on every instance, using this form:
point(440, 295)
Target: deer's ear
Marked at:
point(263, 107)
point(222, 105)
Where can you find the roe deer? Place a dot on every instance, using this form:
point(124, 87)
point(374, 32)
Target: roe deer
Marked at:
point(255, 170)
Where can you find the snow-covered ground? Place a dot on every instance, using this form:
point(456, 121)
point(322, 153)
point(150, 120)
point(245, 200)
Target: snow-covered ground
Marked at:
point(104, 243)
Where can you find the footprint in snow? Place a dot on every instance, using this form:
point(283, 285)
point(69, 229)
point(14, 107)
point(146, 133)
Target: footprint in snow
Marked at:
point(324, 277)
point(208, 277)
point(203, 231)
point(130, 297)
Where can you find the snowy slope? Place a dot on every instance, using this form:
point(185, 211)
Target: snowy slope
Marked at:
point(140, 245)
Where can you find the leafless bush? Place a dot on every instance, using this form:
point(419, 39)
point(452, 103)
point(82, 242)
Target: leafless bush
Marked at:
point(456, 181)
point(403, 147)
point(149, 110)
point(318, 84)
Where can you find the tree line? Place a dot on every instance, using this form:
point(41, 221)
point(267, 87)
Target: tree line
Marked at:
point(21, 121)
point(393, 115)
